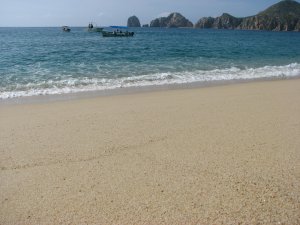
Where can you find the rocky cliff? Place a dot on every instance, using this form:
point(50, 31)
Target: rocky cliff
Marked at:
point(173, 20)
point(205, 22)
point(226, 21)
point(283, 16)
point(133, 21)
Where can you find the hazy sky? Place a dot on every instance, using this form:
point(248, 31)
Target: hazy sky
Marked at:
point(116, 12)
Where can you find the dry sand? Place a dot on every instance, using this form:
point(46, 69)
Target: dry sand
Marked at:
point(218, 155)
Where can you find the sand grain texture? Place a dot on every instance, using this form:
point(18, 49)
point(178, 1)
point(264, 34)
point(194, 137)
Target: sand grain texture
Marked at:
point(217, 155)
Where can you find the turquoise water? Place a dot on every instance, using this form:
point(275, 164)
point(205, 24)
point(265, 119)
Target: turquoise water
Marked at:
point(40, 61)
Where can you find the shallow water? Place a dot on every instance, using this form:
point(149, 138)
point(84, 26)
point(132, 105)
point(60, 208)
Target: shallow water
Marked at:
point(40, 61)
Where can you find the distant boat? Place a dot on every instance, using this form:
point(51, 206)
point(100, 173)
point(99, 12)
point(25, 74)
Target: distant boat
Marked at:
point(66, 29)
point(117, 33)
point(91, 28)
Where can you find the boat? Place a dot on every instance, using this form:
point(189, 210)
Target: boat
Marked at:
point(91, 28)
point(66, 29)
point(117, 33)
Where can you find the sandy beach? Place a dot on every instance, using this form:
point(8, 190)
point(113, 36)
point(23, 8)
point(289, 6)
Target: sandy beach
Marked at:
point(217, 155)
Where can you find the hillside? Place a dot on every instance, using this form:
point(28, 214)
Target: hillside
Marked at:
point(283, 16)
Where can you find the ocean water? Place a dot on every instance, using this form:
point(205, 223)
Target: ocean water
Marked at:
point(45, 61)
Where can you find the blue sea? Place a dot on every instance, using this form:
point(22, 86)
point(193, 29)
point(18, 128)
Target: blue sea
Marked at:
point(46, 61)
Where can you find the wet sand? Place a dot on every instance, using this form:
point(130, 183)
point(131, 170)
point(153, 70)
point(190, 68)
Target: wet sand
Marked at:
point(217, 155)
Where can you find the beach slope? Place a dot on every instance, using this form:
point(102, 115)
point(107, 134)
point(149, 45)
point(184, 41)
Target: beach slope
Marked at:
point(217, 155)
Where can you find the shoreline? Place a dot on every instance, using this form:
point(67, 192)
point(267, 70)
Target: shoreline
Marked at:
point(226, 154)
point(134, 90)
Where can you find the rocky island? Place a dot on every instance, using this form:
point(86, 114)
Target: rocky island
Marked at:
point(173, 20)
point(133, 21)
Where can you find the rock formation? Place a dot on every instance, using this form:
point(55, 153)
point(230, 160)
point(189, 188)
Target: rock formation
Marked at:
point(173, 20)
point(159, 22)
point(283, 16)
point(133, 21)
point(226, 21)
point(205, 22)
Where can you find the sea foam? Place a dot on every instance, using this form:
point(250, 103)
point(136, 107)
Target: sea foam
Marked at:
point(84, 84)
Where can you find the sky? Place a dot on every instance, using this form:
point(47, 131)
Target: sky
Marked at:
point(48, 13)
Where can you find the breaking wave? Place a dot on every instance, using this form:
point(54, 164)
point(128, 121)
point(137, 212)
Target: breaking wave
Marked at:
point(74, 85)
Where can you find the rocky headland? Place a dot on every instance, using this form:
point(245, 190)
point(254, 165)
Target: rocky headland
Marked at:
point(283, 16)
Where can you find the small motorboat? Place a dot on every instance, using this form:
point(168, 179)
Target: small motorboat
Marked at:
point(66, 29)
point(117, 33)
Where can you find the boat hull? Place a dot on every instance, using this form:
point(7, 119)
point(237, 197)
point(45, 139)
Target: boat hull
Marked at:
point(117, 34)
point(66, 29)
